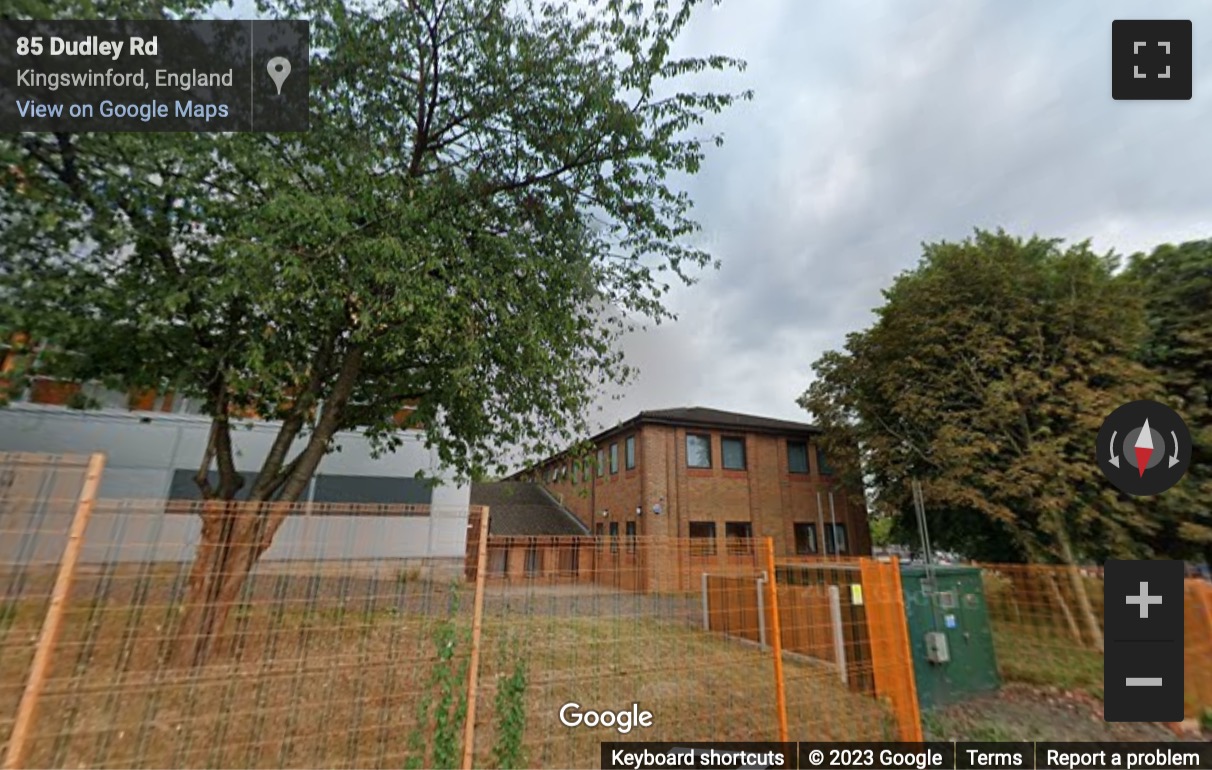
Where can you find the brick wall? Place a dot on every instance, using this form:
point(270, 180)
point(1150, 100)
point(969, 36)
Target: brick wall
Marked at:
point(765, 494)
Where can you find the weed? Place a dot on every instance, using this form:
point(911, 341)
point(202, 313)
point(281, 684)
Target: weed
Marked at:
point(441, 729)
point(511, 716)
point(8, 615)
point(409, 575)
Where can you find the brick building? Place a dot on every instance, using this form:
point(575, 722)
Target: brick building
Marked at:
point(709, 475)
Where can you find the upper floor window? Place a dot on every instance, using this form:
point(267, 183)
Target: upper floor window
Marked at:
point(601, 463)
point(733, 452)
point(576, 471)
point(698, 450)
point(629, 453)
point(822, 466)
point(797, 456)
point(614, 458)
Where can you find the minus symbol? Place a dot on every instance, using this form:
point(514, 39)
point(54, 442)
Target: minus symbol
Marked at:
point(1144, 681)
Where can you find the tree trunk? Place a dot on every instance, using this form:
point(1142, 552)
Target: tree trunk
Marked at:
point(1059, 598)
point(1093, 627)
point(236, 534)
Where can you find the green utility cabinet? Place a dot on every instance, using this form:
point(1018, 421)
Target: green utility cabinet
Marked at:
point(949, 634)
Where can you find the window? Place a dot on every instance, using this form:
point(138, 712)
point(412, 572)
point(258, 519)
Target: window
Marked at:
point(532, 559)
point(704, 532)
point(739, 536)
point(797, 457)
point(805, 538)
point(599, 529)
point(698, 451)
point(614, 458)
point(601, 463)
point(733, 452)
point(629, 453)
point(631, 537)
point(835, 538)
point(614, 537)
point(822, 467)
point(576, 472)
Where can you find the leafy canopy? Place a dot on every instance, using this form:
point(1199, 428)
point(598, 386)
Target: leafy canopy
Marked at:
point(986, 376)
point(486, 198)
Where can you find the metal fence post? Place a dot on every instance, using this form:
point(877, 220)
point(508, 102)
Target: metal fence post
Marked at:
point(761, 610)
point(839, 638)
point(51, 624)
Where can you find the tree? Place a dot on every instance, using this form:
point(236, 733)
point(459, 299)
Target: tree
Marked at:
point(1176, 282)
point(986, 376)
point(482, 180)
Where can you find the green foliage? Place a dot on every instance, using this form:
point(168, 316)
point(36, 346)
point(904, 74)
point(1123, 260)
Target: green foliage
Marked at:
point(483, 204)
point(511, 714)
point(442, 709)
point(1176, 283)
point(986, 376)
point(881, 531)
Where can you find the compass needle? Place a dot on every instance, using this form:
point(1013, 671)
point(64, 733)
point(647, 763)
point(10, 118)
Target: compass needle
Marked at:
point(1144, 447)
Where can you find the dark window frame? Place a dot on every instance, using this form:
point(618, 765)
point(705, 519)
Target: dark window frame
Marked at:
point(823, 468)
point(724, 455)
point(601, 463)
point(744, 548)
point(831, 530)
point(630, 533)
point(614, 458)
point(710, 460)
point(807, 465)
point(629, 453)
point(814, 542)
point(704, 549)
point(614, 537)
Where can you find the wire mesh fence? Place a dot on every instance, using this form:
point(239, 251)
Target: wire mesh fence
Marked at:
point(268, 635)
point(1048, 628)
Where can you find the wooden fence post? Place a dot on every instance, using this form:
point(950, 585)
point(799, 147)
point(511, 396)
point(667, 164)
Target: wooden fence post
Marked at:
point(18, 742)
point(477, 622)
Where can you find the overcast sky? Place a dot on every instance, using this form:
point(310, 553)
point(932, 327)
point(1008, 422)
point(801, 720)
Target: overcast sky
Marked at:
point(880, 124)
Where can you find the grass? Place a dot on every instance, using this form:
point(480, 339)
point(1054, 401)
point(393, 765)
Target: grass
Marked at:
point(342, 684)
point(1036, 656)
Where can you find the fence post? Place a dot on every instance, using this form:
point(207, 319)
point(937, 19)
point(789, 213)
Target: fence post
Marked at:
point(51, 624)
point(761, 610)
point(477, 622)
point(839, 638)
point(776, 642)
point(706, 606)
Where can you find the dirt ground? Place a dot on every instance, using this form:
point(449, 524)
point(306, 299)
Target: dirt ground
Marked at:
point(331, 672)
point(1021, 712)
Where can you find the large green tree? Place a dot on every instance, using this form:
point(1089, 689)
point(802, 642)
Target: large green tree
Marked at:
point(486, 196)
point(986, 376)
point(1176, 283)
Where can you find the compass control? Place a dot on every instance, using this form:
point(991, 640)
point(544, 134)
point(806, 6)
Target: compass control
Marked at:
point(1144, 448)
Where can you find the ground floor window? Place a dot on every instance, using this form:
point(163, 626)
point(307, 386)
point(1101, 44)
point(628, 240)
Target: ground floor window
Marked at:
point(805, 538)
point(739, 536)
point(631, 532)
point(835, 538)
point(614, 537)
point(702, 538)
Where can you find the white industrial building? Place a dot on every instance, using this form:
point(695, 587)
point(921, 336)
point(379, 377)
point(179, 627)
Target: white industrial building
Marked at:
point(154, 456)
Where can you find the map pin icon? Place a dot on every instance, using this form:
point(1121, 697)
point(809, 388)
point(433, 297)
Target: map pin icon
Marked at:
point(279, 70)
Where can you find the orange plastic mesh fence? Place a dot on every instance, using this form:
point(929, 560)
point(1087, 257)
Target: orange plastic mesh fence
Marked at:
point(1048, 629)
point(269, 635)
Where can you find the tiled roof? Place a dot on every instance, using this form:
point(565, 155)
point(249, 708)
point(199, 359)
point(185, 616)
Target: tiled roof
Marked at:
point(520, 508)
point(698, 415)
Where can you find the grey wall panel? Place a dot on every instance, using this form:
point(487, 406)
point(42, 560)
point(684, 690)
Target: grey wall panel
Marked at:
point(151, 456)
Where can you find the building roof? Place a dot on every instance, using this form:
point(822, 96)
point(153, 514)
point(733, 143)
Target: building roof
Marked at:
point(521, 508)
point(702, 417)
